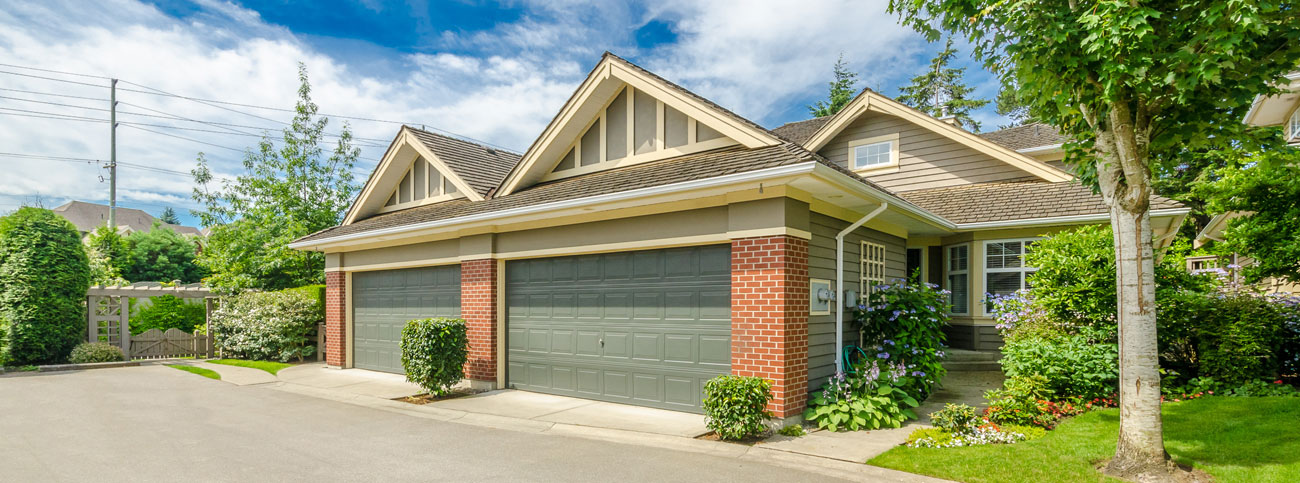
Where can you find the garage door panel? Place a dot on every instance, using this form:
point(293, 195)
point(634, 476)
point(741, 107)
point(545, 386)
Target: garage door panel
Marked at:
point(644, 327)
point(383, 301)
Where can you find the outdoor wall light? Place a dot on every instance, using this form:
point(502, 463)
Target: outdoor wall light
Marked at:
point(850, 298)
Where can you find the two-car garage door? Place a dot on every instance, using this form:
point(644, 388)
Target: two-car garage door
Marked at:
point(382, 303)
point(645, 327)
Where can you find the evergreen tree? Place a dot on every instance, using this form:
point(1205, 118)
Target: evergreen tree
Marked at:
point(841, 91)
point(941, 92)
point(1011, 104)
point(168, 216)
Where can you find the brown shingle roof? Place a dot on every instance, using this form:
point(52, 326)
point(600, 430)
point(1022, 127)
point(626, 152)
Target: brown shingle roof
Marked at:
point(986, 202)
point(480, 166)
point(1025, 137)
point(799, 132)
point(89, 216)
point(685, 168)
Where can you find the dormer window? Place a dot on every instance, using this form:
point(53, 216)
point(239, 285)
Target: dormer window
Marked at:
point(422, 184)
point(874, 153)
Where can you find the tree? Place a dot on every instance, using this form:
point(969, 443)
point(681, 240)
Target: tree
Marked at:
point(941, 92)
point(161, 255)
point(44, 275)
point(1011, 104)
point(841, 91)
point(1266, 186)
point(168, 216)
point(283, 194)
point(1177, 172)
point(110, 255)
point(1127, 82)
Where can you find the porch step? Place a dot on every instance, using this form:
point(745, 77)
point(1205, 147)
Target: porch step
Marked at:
point(972, 366)
point(963, 355)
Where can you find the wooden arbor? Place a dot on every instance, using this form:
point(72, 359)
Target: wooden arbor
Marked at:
point(108, 320)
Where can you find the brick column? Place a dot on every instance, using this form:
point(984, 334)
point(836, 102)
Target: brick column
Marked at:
point(335, 318)
point(769, 317)
point(478, 306)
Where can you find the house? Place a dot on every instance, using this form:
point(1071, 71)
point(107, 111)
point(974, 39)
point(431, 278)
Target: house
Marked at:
point(650, 239)
point(89, 216)
point(1278, 110)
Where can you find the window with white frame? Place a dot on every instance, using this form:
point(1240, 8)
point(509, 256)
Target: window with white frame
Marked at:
point(957, 262)
point(873, 155)
point(1004, 266)
point(1294, 126)
point(873, 266)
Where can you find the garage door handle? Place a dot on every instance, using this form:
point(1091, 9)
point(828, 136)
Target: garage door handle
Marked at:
point(602, 342)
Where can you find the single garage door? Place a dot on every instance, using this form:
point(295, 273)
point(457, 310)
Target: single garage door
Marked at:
point(382, 303)
point(645, 328)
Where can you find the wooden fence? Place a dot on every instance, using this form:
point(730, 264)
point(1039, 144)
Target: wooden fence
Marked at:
point(156, 344)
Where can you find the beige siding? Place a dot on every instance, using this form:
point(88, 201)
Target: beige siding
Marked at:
point(821, 264)
point(926, 159)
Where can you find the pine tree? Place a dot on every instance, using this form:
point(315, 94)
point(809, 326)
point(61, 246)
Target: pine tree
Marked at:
point(941, 92)
point(841, 91)
point(168, 216)
point(1011, 104)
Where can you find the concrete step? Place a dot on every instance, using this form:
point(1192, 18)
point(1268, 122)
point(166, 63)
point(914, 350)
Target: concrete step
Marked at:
point(963, 355)
point(971, 366)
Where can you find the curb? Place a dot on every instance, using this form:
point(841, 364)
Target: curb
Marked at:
point(79, 367)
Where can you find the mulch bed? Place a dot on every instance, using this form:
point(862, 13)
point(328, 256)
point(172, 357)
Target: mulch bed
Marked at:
point(749, 441)
point(422, 399)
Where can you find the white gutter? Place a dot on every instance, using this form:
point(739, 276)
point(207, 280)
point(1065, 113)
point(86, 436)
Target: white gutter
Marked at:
point(849, 183)
point(1055, 220)
point(839, 283)
point(1040, 149)
point(761, 174)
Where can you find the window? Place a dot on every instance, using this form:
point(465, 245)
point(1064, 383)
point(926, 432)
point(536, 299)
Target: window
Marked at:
point(873, 266)
point(1294, 125)
point(1004, 267)
point(874, 153)
point(958, 265)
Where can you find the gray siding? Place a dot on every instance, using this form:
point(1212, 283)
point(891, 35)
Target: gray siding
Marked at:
point(821, 264)
point(926, 159)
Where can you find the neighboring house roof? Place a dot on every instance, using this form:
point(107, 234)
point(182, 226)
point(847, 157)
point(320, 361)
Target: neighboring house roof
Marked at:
point(89, 216)
point(482, 167)
point(676, 170)
point(1028, 136)
point(798, 132)
point(1015, 200)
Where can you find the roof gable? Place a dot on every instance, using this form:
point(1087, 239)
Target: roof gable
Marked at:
point(421, 168)
point(683, 123)
point(870, 101)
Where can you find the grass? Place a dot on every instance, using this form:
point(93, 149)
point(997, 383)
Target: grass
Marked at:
point(268, 366)
point(208, 373)
point(1233, 439)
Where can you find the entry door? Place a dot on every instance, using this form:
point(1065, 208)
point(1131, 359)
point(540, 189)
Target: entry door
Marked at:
point(643, 327)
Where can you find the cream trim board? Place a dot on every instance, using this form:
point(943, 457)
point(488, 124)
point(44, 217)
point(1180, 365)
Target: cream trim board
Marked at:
point(892, 139)
point(655, 155)
point(778, 231)
point(710, 239)
point(404, 139)
point(431, 262)
point(347, 318)
point(427, 201)
point(501, 321)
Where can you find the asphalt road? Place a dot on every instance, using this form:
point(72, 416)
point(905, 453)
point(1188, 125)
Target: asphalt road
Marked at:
point(154, 423)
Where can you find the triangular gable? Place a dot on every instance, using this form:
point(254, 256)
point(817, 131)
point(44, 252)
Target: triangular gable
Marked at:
point(409, 175)
point(603, 116)
point(870, 101)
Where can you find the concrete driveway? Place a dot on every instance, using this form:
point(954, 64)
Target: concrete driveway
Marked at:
point(156, 423)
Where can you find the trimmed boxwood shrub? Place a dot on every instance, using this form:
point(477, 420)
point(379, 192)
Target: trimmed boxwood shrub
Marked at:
point(267, 325)
point(736, 406)
point(434, 352)
point(44, 274)
point(168, 312)
point(91, 352)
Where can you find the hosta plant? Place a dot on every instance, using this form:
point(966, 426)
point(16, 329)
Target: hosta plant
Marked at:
point(868, 399)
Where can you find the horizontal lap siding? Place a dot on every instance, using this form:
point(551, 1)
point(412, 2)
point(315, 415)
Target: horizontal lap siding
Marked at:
point(926, 159)
point(821, 265)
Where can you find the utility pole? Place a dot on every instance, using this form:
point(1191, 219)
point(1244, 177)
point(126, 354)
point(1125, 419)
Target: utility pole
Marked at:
point(112, 155)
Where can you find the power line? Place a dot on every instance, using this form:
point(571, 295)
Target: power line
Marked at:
point(54, 94)
point(55, 71)
point(174, 117)
point(54, 103)
point(69, 159)
point(133, 126)
point(53, 79)
point(46, 115)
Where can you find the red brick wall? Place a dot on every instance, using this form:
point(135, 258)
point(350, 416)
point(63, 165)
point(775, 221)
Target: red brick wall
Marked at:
point(769, 317)
point(478, 306)
point(335, 317)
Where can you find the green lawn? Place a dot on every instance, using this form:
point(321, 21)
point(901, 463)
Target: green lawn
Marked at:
point(208, 373)
point(1234, 439)
point(268, 366)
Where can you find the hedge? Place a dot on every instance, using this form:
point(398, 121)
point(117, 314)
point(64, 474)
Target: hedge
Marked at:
point(44, 275)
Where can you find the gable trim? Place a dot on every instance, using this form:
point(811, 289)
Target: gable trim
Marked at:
point(613, 67)
point(869, 100)
point(405, 138)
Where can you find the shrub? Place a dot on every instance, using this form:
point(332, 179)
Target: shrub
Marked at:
point(1030, 432)
point(434, 352)
point(161, 255)
point(735, 406)
point(955, 418)
point(1232, 337)
point(110, 256)
point(168, 312)
point(91, 352)
point(44, 274)
point(266, 325)
point(1072, 365)
point(792, 430)
point(903, 324)
point(1026, 401)
point(866, 399)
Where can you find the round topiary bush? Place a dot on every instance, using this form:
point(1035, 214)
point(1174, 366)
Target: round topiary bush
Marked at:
point(92, 352)
point(44, 274)
point(434, 352)
point(735, 407)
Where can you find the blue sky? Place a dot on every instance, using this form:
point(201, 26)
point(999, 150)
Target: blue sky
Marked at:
point(493, 71)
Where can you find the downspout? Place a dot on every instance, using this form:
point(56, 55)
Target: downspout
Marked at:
point(839, 284)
